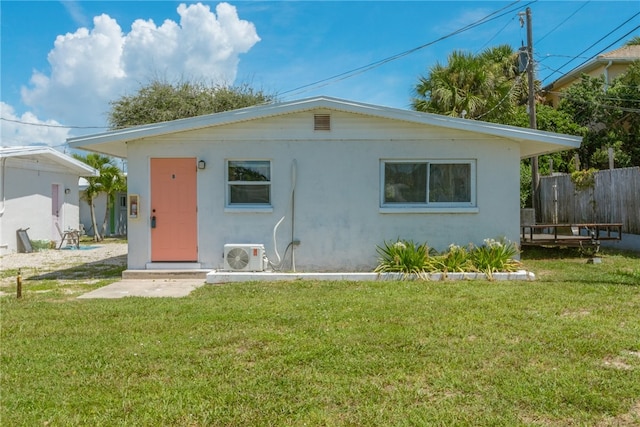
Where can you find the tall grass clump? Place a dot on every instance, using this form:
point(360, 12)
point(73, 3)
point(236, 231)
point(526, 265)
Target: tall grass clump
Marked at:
point(495, 256)
point(405, 257)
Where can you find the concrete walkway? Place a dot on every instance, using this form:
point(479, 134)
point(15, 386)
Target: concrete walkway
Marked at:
point(168, 288)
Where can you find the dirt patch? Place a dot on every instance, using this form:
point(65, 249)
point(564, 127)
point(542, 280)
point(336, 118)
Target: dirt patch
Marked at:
point(91, 262)
point(625, 361)
point(629, 419)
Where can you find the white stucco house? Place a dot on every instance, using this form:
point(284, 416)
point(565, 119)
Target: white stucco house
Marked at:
point(319, 183)
point(38, 193)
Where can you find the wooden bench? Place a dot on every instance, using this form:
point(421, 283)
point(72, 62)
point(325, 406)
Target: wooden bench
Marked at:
point(576, 235)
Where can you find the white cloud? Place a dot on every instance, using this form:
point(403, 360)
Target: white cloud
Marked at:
point(91, 67)
point(27, 129)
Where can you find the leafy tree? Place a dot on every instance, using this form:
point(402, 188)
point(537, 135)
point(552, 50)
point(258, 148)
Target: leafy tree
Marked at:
point(162, 101)
point(625, 94)
point(611, 114)
point(110, 181)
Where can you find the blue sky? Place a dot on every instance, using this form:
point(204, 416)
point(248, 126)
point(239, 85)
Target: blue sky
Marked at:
point(62, 62)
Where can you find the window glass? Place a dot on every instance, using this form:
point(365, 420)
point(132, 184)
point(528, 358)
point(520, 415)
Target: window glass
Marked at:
point(249, 194)
point(405, 182)
point(249, 170)
point(438, 183)
point(249, 182)
point(449, 182)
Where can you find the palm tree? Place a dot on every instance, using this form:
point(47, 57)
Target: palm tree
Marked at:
point(633, 41)
point(454, 89)
point(110, 180)
point(472, 86)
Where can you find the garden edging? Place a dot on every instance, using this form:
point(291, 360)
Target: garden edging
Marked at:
point(237, 276)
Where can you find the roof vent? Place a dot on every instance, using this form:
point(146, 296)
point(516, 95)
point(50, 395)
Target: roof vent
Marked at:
point(321, 122)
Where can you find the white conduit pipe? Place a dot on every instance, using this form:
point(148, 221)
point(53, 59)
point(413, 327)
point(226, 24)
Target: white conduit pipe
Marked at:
point(275, 244)
point(275, 229)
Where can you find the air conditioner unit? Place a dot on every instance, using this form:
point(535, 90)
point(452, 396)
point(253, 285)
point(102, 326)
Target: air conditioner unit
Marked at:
point(244, 257)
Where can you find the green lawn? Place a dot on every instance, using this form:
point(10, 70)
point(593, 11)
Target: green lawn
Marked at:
point(562, 350)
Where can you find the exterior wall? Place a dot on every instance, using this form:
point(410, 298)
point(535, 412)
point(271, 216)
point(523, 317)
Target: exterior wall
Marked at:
point(336, 209)
point(28, 202)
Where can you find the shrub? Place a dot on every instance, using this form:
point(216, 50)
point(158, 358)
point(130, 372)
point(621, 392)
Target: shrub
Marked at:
point(409, 258)
point(456, 260)
point(405, 257)
point(495, 256)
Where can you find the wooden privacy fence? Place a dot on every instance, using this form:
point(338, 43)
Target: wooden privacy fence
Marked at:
point(613, 198)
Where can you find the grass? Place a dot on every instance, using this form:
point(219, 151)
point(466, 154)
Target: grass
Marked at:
point(563, 350)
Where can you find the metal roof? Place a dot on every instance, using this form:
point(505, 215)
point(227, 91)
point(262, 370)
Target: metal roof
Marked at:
point(48, 155)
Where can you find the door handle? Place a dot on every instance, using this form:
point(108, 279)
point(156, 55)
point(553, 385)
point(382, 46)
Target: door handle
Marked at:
point(153, 221)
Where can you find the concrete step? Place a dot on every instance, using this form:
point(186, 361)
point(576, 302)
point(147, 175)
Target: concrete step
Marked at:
point(165, 274)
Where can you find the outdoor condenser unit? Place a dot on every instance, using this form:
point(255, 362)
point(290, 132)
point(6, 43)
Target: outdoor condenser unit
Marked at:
point(244, 257)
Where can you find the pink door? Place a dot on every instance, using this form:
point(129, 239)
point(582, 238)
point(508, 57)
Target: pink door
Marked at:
point(173, 210)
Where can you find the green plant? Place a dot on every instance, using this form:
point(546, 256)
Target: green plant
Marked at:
point(495, 256)
point(584, 179)
point(405, 257)
point(39, 245)
point(409, 258)
point(456, 260)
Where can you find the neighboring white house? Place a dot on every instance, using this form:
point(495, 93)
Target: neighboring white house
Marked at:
point(320, 182)
point(38, 189)
point(117, 217)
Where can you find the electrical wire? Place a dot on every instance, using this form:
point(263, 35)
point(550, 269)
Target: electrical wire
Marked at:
point(599, 105)
point(598, 41)
point(516, 82)
point(561, 23)
point(359, 70)
point(52, 126)
point(496, 34)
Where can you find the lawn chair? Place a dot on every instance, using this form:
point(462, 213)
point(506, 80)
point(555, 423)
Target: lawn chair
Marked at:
point(72, 237)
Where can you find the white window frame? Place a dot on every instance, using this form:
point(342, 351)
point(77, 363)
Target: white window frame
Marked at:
point(244, 207)
point(426, 206)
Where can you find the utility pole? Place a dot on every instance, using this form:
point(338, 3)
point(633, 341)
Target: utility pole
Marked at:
point(535, 180)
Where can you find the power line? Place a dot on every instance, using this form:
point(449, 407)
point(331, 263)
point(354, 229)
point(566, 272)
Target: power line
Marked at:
point(496, 34)
point(548, 55)
point(561, 23)
point(516, 82)
point(52, 126)
point(598, 41)
point(606, 98)
point(376, 64)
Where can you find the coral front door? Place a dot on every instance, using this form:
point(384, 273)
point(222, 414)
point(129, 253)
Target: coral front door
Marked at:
point(173, 210)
